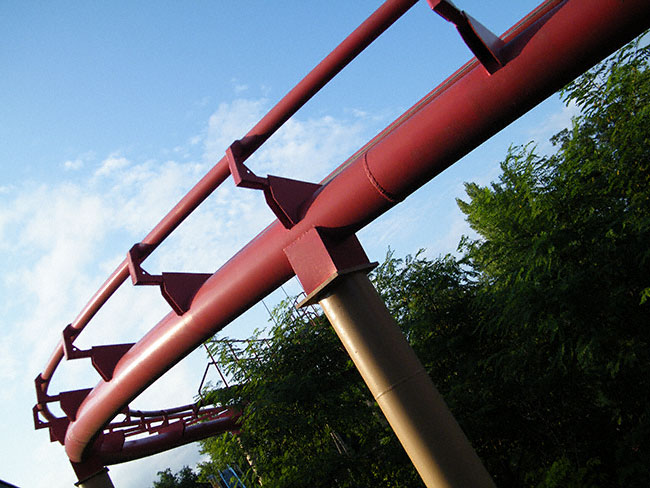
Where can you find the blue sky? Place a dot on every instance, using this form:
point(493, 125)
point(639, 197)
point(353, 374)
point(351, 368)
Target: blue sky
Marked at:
point(112, 110)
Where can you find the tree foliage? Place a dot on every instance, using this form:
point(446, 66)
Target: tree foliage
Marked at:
point(308, 419)
point(562, 274)
point(185, 478)
point(537, 335)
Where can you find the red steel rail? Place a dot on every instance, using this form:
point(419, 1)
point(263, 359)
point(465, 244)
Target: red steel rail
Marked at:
point(356, 42)
point(551, 46)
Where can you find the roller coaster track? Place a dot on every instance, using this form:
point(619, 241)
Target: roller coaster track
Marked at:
point(509, 75)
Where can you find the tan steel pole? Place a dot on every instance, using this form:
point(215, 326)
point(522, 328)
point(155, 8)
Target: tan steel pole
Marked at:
point(415, 410)
point(99, 480)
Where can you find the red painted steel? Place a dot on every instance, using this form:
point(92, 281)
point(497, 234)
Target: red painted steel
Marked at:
point(355, 43)
point(164, 429)
point(557, 42)
point(156, 444)
point(317, 259)
point(484, 44)
point(284, 196)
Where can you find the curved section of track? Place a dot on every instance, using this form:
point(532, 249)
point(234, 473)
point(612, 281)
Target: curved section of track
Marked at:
point(550, 47)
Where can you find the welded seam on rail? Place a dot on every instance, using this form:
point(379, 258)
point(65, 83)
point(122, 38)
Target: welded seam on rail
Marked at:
point(507, 36)
point(397, 122)
point(373, 181)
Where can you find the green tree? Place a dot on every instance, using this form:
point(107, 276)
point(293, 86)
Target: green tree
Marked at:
point(537, 336)
point(185, 478)
point(563, 272)
point(308, 419)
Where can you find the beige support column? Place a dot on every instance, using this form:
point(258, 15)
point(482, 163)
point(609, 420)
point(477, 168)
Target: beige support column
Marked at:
point(415, 410)
point(99, 480)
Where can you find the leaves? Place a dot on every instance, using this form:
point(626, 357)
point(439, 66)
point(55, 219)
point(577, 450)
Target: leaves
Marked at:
point(308, 418)
point(562, 266)
point(185, 478)
point(537, 336)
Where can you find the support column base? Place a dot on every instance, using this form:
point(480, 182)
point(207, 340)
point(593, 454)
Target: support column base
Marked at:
point(98, 480)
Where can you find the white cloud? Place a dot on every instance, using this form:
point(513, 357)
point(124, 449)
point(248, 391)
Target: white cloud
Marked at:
point(265, 90)
point(111, 164)
point(54, 463)
point(73, 165)
point(238, 86)
point(78, 162)
point(204, 101)
point(8, 363)
point(449, 240)
point(309, 149)
point(61, 240)
point(302, 149)
point(378, 119)
point(231, 121)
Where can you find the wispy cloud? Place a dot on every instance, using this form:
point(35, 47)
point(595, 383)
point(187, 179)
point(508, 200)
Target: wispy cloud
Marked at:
point(111, 164)
point(308, 149)
point(78, 162)
point(73, 164)
point(238, 86)
point(229, 122)
point(60, 240)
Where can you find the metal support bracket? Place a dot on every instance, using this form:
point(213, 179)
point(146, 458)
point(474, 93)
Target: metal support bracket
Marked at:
point(284, 196)
point(177, 288)
point(486, 46)
point(319, 257)
point(112, 441)
point(56, 425)
point(91, 473)
point(103, 358)
point(69, 402)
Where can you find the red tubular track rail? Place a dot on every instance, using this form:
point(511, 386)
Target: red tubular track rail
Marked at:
point(551, 46)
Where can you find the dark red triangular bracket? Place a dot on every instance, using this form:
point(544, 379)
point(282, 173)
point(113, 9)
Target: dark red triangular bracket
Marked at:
point(71, 400)
point(104, 358)
point(284, 196)
point(178, 289)
point(58, 427)
point(486, 46)
point(87, 470)
point(112, 441)
point(38, 423)
point(69, 350)
point(41, 397)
